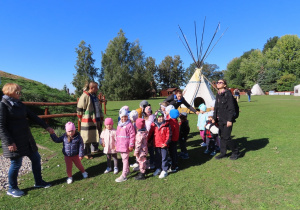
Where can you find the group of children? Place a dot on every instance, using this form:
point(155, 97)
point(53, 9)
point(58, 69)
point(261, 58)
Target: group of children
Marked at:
point(139, 130)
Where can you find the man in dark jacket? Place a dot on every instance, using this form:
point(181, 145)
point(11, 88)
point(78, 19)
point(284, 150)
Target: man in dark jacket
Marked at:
point(177, 99)
point(224, 115)
point(17, 140)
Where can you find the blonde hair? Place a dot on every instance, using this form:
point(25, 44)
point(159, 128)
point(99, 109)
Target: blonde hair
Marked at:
point(10, 88)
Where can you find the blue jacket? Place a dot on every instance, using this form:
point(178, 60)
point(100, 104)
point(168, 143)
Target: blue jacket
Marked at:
point(72, 148)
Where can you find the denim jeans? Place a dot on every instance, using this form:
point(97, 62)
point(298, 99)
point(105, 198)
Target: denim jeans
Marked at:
point(161, 158)
point(15, 165)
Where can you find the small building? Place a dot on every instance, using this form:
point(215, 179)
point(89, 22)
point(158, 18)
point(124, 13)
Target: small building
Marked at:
point(167, 92)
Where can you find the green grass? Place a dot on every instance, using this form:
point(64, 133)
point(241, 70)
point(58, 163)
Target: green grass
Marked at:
point(266, 177)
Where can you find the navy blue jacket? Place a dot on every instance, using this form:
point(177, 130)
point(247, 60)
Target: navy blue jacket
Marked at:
point(72, 148)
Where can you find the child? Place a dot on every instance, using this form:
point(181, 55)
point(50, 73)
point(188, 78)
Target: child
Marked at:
point(202, 118)
point(133, 116)
point(174, 114)
point(163, 107)
point(141, 148)
point(108, 139)
point(160, 134)
point(184, 130)
point(125, 138)
point(211, 131)
point(168, 109)
point(149, 119)
point(72, 149)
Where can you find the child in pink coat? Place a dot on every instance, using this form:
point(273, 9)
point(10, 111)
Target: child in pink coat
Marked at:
point(141, 149)
point(108, 139)
point(125, 138)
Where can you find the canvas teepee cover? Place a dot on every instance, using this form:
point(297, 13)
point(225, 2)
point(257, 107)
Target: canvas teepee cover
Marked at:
point(198, 87)
point(256, 90)
point(297, 90)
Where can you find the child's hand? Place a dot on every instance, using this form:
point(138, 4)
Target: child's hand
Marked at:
point(213, 121)
point(80, 158)
point(130, 149)
point(163, 145)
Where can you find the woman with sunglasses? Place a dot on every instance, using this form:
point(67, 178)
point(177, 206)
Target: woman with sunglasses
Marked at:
point(224, 115)
point(17, 140)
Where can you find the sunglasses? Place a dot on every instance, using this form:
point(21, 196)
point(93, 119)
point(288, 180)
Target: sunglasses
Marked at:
point(18, 92)
point(220, 82)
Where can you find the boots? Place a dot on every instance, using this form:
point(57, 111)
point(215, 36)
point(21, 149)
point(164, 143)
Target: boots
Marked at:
point(140, 176)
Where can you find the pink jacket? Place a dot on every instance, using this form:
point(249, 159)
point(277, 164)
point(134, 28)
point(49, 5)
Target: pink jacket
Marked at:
point(141, 148)
point(108, 137)
point(125, 136)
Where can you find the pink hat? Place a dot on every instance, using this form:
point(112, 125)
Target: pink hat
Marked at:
point(148, 110)
point(108, 121)
point(70, 126)
point(140, 123)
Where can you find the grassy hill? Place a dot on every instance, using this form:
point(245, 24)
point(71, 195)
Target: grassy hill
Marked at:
point(37, 92)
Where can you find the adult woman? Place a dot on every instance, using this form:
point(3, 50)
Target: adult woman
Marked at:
point(17, 140)
point(224, 115)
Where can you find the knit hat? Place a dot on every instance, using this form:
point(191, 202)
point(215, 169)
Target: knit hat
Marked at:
point(148, 110)
point(168, 109)
point(133, 115)
point(202, 107)
point(210, 114)
point(174, 113)
point(70, 126)
point(164, 104)
point(126, 108)
point(144, 103)
point(140, 123)
point(159, 114)
point(123, 113)
point(108, 121)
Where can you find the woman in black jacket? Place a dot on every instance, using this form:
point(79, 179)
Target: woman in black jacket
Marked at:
point(224, 115)
point(16, 137)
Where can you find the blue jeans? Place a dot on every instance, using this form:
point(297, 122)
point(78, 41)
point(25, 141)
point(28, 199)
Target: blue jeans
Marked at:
point(15, 165)
point(249, 98)
point(161, 158)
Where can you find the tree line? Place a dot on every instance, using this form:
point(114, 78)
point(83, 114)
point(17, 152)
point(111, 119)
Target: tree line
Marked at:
point(276, 67)
point(126, 73)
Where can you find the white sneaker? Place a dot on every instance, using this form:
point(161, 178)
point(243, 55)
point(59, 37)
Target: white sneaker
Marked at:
point(121, 179)
point(163, 174)
point(156, 172)
point(116, 170)
point(203, 144)
point(108, 169)
point(136, 168)
point(85, 175)
point(134, 165)
point(69, 180)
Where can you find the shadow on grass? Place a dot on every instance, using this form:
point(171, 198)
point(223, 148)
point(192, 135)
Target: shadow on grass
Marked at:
point(246, 146)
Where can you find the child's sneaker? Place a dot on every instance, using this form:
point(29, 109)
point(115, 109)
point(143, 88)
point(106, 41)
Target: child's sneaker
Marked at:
point(121, 179)
point(173, 170)
point(206, 151)
point(69, 180)
point(108, 169)
point(85, 175)
point(163, 174)
point(213, 153)
point(15, 193)
point(203, 144)
point(134, 165)
point(156, 172)
point(136, 168)
point(43, 184)
point(140, 176)
point(116, 170)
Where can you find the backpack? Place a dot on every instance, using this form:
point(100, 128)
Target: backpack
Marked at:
point(236, 107)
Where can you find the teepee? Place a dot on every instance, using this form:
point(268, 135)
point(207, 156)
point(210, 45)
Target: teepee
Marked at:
point(198, 88)
point(256, 90)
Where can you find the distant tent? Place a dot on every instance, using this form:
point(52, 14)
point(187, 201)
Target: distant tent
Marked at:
point(198, 90)
point(256, 90)
point(297, 90)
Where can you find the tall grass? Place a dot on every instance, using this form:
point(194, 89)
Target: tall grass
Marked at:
point(265, 177)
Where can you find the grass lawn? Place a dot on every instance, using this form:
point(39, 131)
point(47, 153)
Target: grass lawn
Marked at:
point(265, 177)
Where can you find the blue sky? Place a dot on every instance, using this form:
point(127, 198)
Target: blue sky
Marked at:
point(38, 38)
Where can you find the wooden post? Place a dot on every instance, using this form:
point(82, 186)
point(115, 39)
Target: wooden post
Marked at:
point(78, 121)
point(46, 113)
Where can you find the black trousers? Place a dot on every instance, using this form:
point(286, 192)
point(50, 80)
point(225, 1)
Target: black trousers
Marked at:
point(226, 141)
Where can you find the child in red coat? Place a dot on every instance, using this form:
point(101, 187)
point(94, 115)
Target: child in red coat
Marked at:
point(174, 114)
point(160, 133)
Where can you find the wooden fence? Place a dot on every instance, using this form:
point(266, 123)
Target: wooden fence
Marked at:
point(47, 114)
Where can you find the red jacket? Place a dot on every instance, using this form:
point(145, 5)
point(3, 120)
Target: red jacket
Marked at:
point(160, 136)
point(175, 129)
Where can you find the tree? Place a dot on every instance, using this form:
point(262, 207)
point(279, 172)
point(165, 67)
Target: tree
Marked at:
point(123, 75)
point(286, 82)
point(85, 69)
point(270, 44)
point(171, 72)
point(232, 75)
point(151, 70)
